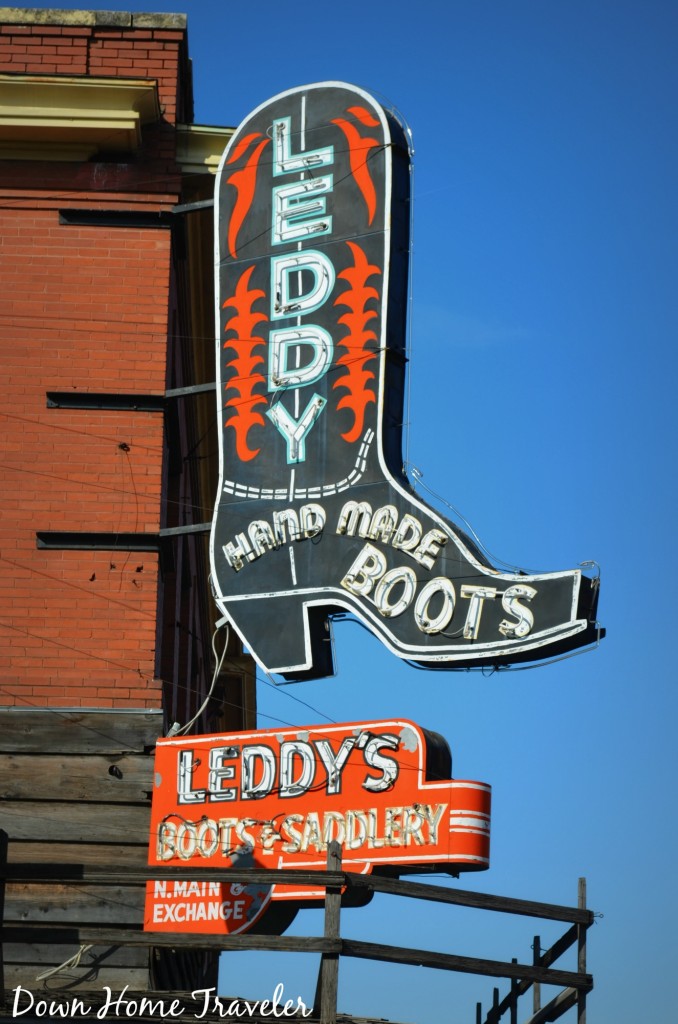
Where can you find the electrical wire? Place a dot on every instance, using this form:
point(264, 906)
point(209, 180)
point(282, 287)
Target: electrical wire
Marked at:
point(418, 477)
point(269, 681)
point(75, 650)
point(177, 730)
point(74, 430)
point(335, 367)
point(77, 586)
point(73, 961)
point(138, 186)
point(112, 710)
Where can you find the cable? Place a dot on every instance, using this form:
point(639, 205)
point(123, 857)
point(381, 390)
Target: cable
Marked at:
point(244, 243)
point(75, 650)
point(97, 732)
point(176, 729)
point(77, 586)
point(125, 448)
point(270, 682)
point(335, 367)
point(418, 477)
point(410, 330)
point(139, 186)
point(74, 430)
point(73, 961)
point(159, 330)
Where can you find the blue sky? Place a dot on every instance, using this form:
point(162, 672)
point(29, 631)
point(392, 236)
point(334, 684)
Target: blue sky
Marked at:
point(544, 329)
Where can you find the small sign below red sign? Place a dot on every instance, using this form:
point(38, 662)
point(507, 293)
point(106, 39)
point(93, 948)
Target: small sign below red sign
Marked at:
point(277, 799)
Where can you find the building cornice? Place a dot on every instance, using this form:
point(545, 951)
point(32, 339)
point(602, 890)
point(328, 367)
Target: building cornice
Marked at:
point(199, 147)
point(45, 117)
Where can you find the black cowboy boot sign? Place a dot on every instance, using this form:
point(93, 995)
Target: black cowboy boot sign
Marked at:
point(314, 512)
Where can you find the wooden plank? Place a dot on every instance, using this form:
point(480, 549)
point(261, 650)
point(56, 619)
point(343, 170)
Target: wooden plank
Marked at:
point(249, 876)
point(284, 943)
point(513, 1006)
point(116, 966)
point(464, 964)
point(78, 732)
point(115, 977)
point(78, 903)
point(414, 890)
point(581, 954)
point(76, 822)
point(31, 856)
point(75, 934)
point(55, 953)
point(466, 898)
point(536, 959)
point(119, 778)
point(559, 947)
point(328, 978)
point(559, 1005)
point(4, 844)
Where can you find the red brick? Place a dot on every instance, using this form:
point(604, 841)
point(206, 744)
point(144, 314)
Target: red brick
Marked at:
point(91, 312)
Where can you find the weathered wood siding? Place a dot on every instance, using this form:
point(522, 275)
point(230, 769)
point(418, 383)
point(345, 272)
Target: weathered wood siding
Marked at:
point(76, 789)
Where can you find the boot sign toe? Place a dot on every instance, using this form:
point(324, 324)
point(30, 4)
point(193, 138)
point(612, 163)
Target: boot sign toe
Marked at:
point(314, 514)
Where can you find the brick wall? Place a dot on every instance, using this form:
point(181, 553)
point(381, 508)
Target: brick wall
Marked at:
point(112, 44)
point(84, 309)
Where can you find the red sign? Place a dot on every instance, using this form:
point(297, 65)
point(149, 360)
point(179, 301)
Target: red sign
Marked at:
point(381, 789)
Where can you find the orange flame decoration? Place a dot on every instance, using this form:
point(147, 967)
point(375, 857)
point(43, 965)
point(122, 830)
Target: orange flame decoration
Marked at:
point(244, 379)
point(359, 154)
point(356, 378)
point(244, 181)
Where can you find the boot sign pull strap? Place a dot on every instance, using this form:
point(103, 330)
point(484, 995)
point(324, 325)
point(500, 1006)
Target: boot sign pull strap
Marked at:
point(314, 513)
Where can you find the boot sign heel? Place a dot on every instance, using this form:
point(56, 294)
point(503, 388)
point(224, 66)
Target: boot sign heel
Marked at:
point(314, 513)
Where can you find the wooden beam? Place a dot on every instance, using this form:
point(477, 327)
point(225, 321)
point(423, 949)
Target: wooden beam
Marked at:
point(559, 947)
point(296, 876)
point(536, 959)
point(112, 778)
point(120, 905)
point(76, 822)
point(325, 1003)
point(109, 956)
point(77, 935)
point(464, 964)
point(466, 898)
point(581, 953)
point(41, 874)
point(78, 732)
point(62, 860)
point(559, 1005)
point(77, 787)
point(26, 975)
point(3, 865)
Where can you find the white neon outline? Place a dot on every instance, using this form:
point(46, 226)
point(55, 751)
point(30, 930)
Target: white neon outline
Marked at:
point(442, 653)
point(363, 865)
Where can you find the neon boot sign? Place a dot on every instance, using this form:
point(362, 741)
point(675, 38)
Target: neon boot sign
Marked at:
point(314, 512)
